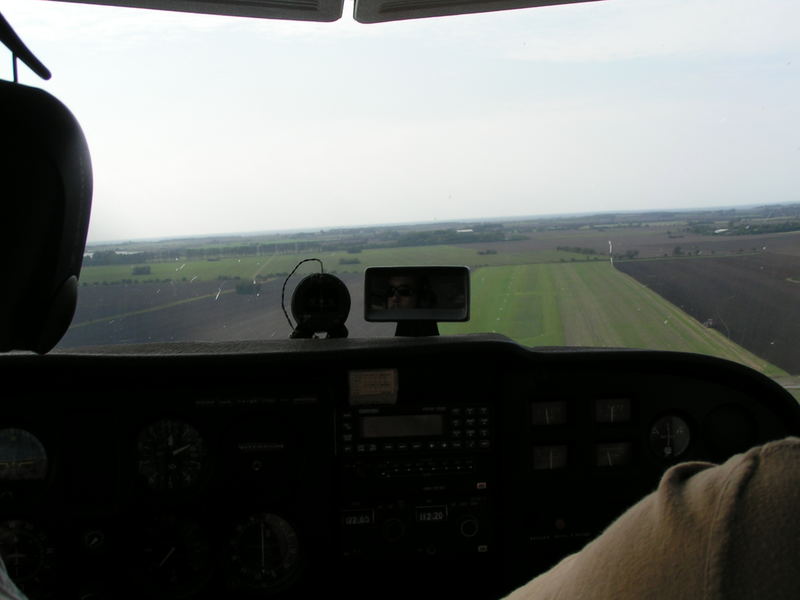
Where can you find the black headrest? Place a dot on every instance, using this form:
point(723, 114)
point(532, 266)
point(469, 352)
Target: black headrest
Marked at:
point(45, 199)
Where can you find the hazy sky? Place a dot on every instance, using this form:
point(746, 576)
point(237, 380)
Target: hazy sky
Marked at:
point(202, 124)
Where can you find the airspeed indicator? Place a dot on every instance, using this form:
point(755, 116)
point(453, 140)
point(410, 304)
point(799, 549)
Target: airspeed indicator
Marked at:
point(171, 455)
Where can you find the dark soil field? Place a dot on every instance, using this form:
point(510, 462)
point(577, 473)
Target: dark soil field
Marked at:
point(650, 242)
point(99, 301)
point(167, 312)
point(752, 299)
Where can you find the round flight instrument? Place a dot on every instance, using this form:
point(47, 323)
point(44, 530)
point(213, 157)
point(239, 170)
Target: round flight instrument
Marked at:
point(176, 557)
point(22, 456)
point(669, 437)
point(265, 554)
point(171, 455)
point(28, 556)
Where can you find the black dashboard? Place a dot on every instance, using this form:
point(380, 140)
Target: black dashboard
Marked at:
point(387, 468)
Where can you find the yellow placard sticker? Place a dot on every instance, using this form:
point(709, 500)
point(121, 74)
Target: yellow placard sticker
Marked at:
point(373, 386)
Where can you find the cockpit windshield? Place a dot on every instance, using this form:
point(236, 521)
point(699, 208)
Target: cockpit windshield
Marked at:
point(614, 174)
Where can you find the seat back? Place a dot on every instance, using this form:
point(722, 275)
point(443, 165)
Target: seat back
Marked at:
point(45, 200)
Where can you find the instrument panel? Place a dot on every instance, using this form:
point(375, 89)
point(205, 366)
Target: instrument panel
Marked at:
point(399, 467)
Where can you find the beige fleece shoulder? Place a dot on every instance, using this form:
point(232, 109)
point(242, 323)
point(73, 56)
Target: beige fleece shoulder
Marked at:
point(715, 532)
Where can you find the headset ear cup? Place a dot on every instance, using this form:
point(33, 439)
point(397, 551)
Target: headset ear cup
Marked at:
point(58, 315)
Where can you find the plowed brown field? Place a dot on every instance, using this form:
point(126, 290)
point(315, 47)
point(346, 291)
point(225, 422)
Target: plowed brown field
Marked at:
point(754, 300)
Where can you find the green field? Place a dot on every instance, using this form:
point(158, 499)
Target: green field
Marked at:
point(588, 304)
point(248, 267)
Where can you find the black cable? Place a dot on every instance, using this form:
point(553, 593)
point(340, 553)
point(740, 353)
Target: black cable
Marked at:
point(283, 289)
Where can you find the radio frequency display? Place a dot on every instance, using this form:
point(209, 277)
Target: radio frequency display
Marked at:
point(385, 426)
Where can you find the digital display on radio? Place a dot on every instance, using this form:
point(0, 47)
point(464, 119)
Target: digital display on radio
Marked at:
point(385, 426)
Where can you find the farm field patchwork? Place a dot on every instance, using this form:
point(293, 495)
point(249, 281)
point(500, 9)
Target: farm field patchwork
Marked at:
point(528, 290)
point(251, 267)
point(653, 242)
point(699, 282)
